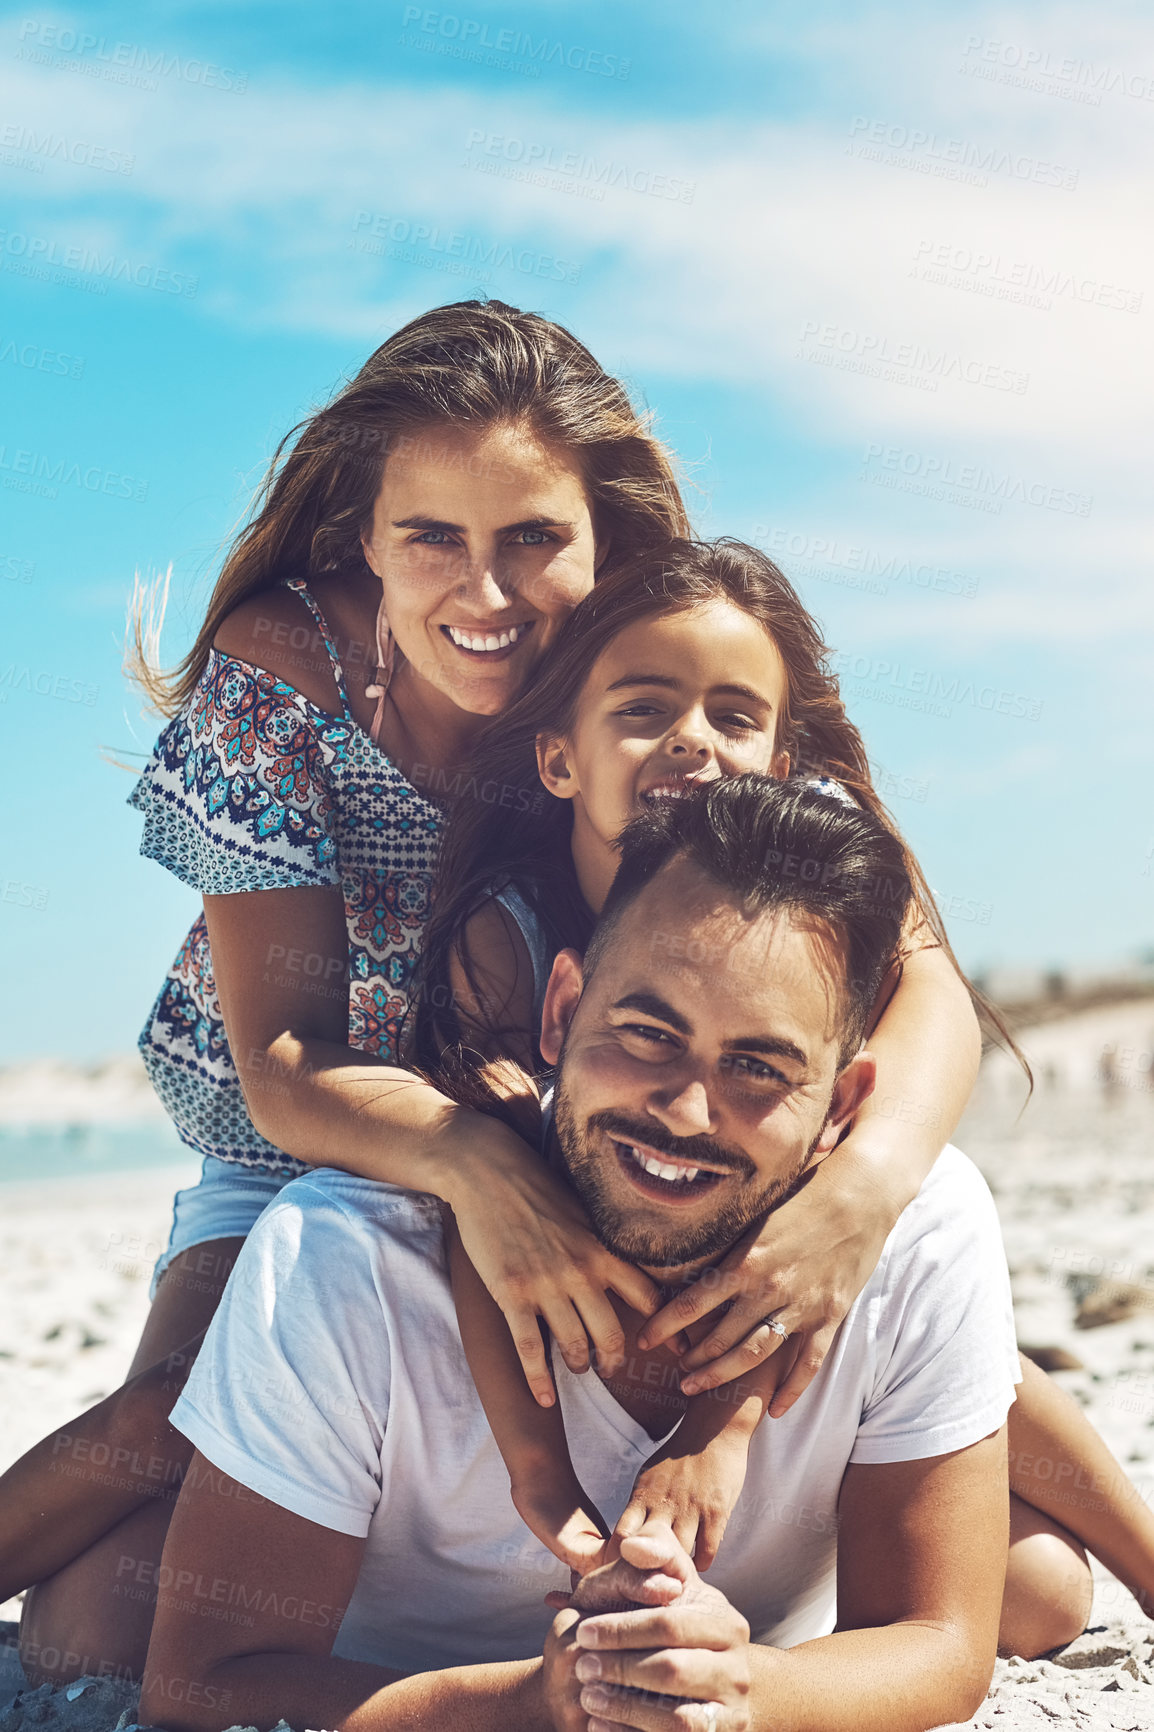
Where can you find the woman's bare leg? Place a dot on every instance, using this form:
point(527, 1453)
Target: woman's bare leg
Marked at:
point(1062, 1467)
point(65, 1503)
point(1049, 1589)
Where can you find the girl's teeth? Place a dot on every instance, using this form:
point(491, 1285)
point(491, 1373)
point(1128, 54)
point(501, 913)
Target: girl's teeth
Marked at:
point(485, 640)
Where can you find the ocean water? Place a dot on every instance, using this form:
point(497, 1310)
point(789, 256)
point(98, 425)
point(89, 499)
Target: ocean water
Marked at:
point(30, 1152)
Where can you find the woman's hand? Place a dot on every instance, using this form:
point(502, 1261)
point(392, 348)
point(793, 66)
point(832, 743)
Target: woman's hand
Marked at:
point(804, 1268)
point(529, 1239)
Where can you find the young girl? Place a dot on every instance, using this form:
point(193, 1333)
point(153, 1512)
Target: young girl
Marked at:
point(686, 663)
point(410, 563)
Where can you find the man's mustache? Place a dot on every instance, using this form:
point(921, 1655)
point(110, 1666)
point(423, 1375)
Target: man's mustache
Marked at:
point(703, 1150)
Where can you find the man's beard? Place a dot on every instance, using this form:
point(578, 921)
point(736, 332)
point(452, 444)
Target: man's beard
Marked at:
point(673, 1246)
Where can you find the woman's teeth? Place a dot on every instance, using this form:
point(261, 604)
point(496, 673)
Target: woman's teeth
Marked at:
point(485, 640)
point(663, 1169)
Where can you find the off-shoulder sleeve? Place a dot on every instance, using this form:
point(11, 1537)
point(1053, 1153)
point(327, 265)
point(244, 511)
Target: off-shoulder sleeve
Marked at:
point(237, 794)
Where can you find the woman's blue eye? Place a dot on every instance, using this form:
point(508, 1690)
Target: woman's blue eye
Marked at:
point(427, 533)
point(542, 538)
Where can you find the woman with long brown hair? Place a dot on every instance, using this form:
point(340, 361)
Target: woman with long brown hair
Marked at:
point(415, 549)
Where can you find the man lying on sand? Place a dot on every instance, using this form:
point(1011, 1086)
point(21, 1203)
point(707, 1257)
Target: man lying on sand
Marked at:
point(344, 1551)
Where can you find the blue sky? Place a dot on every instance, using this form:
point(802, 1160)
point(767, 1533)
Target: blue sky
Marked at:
point(882, 274)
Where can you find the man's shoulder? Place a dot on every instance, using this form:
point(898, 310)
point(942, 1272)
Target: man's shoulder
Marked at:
point(954, 1176)
point(953, 1217)
point(331, 1214)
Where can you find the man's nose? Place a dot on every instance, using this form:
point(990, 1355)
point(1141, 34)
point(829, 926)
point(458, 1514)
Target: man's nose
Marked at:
point(684, 1108)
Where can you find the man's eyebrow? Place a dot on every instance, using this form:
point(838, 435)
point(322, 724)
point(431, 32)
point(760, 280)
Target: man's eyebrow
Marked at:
point(668, 683)
point(649, 1004)
point(420, 522)
point(772, 1045)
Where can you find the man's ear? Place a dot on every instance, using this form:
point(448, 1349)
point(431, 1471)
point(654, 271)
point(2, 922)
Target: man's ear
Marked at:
point(852, 1088)
point(562, 996)
point(554, 768)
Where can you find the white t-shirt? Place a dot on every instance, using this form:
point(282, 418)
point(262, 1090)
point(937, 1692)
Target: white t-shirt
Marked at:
point(334, 1383)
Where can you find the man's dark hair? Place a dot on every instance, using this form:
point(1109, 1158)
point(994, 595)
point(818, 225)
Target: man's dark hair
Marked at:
point(779, 845)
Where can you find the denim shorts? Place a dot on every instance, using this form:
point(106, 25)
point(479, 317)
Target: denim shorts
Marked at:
point(225, 1204)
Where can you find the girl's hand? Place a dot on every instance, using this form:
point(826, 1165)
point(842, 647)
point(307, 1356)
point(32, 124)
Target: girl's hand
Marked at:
point(553, 1505)
point(693, 1494)
point(528, 1238)
point(804, 1267)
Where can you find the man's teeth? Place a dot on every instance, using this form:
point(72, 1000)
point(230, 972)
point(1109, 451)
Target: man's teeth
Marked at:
point(662, 1169)
point(485, 640)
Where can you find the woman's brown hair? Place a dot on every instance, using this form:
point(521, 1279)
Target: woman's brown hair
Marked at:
point(506, 830)
point(471, 364)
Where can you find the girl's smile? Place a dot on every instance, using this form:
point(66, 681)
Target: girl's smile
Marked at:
point(675, 700)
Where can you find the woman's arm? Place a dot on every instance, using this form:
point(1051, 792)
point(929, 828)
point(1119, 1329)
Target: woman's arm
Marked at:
point(814, 1255)
point(280, 961)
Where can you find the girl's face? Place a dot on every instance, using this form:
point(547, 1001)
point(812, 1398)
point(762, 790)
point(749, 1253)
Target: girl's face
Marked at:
point(483, 543)
point(675, 700)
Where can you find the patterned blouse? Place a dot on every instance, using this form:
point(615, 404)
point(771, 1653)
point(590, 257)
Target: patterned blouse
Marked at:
point(253, 787)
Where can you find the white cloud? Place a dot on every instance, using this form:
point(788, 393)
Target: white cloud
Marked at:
point(798, 268)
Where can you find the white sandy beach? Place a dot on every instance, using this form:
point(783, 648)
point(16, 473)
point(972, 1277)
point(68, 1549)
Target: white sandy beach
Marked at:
point(1074, 1183)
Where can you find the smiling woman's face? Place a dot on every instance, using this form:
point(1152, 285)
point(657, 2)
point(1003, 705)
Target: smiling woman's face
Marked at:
point(484, 543)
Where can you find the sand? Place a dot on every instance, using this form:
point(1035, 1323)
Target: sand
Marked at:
point(1074, 1182)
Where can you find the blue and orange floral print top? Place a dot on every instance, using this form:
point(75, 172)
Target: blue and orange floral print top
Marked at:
point(253, 787)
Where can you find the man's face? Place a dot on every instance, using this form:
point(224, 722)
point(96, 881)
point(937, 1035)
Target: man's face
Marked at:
point(700, 1069)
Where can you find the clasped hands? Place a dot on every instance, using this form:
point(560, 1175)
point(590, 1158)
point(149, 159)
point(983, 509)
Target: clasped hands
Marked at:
point(643, 1642)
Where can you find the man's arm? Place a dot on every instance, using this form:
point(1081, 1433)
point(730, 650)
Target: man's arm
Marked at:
point(921, 1565)
point(921, 1562)
point(244, 1631)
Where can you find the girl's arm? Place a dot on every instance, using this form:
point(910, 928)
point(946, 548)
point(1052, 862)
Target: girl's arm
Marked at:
point(546, 1492)
point(693, 1481)
point(814, 1254)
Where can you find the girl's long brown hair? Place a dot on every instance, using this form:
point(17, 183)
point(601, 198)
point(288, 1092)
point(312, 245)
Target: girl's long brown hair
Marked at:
point(506, 829)
point(471, 364)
